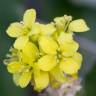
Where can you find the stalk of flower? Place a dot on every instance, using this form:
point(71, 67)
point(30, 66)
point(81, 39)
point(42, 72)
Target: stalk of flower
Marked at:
point(47, 53)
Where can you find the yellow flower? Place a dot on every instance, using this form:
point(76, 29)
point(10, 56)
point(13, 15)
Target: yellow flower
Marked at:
point(66, 24)
point(21, 76)
point(44, 54)
point(18, 29)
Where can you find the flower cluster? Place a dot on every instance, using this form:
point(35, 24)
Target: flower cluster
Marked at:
point(44, 54)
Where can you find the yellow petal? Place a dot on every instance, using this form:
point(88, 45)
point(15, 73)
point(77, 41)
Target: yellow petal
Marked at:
point(14, 67)
point(65, 37)
point(69, 48)
point(35, 29)
point(48, 45)
point(31, 51)
point(47, 29)
point(15, 30)
point(47, 62)
point(41, 80)
point(29, 17)
point(21, 42)
point(26, 59)
point(78, 57)
point(24, 79)
point(69, 66)
point(78, 26)
point(58, 74)
point(16, 77)
point(61, 22)
point(35, 32)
